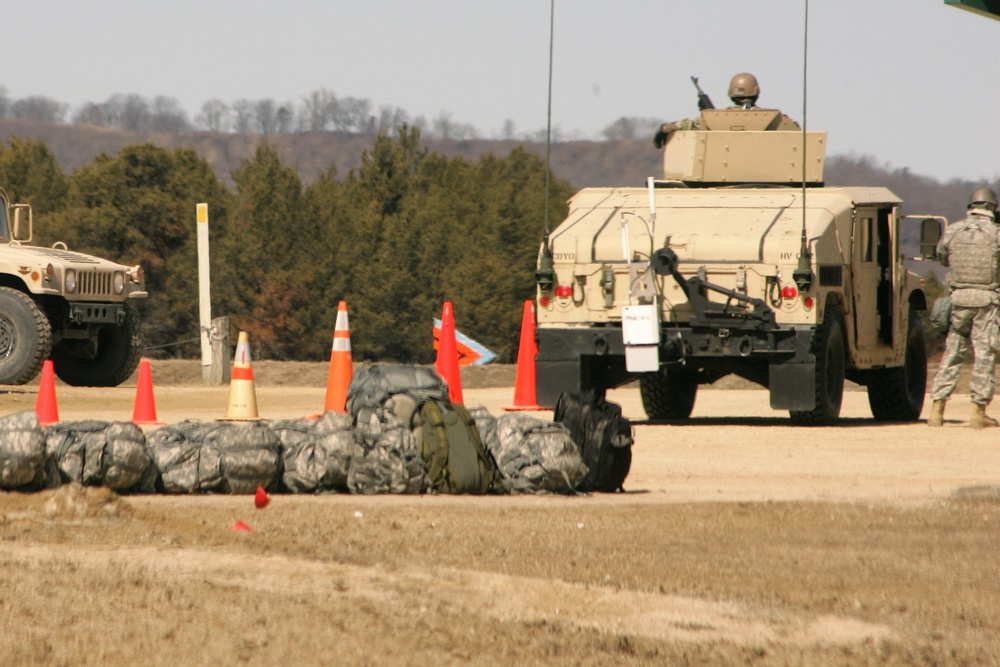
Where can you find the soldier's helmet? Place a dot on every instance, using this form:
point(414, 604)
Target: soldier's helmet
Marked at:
point(983, 197)
point(744, 85)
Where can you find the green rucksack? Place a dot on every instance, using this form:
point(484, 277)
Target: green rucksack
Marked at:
point(455, 459)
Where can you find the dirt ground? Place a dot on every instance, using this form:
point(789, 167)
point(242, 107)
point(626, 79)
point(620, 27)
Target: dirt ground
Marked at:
point(741, 539)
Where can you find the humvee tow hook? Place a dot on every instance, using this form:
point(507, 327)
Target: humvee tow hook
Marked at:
point(664, 263)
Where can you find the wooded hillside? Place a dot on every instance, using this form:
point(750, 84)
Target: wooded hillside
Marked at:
point(580, 163)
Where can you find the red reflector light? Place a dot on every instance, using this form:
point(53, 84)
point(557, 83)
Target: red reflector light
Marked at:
point(543, 301)
point(789, 292)
point(808, 302)
point(565, 291)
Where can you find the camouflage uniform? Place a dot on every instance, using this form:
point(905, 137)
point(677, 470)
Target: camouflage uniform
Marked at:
point(974, 307)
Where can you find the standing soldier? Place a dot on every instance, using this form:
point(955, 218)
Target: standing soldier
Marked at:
point(971, 249)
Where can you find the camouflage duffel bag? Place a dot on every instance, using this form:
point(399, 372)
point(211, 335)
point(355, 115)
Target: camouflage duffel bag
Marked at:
point(221, 457)
point(372, 384)
point(22, 451)
point(316, 452)
point(385, 457)
point(536, 456)
point(99, 453)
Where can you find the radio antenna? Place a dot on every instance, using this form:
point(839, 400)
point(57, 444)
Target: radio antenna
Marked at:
point(544, 274)
point(548, 122)
point(803, 272)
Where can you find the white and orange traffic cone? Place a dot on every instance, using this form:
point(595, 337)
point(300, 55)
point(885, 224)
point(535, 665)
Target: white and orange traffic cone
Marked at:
point(242, 395)
point(341, 365)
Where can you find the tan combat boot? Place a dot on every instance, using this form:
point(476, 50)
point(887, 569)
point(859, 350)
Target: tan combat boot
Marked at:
point(979, 418)
point(937, 414)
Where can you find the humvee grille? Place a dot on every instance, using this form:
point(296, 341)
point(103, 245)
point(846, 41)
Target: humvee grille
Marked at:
point(94, 283)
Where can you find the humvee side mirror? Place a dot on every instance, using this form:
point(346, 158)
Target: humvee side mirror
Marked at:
point(930, 234)
point(22, 223)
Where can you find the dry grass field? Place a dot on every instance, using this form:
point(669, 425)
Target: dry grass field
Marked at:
point(741, 540)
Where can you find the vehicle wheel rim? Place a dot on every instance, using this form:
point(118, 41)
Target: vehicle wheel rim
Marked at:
point(8, 338)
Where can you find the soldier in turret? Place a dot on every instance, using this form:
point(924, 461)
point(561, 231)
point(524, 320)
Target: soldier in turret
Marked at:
point(971, 249)
point(743, 92)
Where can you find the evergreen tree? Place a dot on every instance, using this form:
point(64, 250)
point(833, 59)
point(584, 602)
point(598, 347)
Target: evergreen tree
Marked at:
point(263, 253)
point(30, 174)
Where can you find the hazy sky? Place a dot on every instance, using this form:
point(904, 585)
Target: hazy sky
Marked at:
point(911, 83)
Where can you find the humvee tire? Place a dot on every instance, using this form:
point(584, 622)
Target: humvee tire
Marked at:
point(828, 348)
point(897, 394)
point(668, 394)
point(25, 337)
point(115, 358)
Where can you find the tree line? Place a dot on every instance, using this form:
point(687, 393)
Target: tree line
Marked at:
point(396, 238)
point(319, 111)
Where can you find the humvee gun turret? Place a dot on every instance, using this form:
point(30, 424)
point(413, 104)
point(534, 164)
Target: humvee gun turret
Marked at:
point(68, 306)
point(739, 261)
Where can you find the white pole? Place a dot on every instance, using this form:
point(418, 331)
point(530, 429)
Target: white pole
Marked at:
point(204, 294)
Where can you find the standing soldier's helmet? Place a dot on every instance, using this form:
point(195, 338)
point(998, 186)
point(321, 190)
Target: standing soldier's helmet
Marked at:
point(983, 197)
point(743, 86)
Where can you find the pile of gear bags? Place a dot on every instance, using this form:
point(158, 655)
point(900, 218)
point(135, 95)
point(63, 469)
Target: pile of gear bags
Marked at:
point(401, 435)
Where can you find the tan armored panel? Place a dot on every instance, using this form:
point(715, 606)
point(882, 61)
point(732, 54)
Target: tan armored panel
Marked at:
point(739, 120)
point(744, 156)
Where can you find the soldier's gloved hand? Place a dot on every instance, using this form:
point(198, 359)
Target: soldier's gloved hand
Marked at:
point(662, 134)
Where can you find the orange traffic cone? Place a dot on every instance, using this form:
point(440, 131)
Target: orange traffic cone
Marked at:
point(45, 404)
point(144, 412)
point(341, 369)
point(242, 395)
point(447, 356)
point(524, 378)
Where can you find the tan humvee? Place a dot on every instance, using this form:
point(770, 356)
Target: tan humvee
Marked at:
point(68, 306)
point(729, 264)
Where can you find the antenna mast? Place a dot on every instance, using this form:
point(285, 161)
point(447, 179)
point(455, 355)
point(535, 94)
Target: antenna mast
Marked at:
point(803, 272)
point(548, 122)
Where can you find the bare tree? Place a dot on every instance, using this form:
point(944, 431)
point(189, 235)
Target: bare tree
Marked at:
point(4, 102)
point(168, 116)
point(318, 110)
point(391, 119)
point(39, 108)
point(509, 129)
point(244, 116)
point(352, 114)
point(267, 116)
point(284, 119)
point(93, 113)
point(133, 112)
point(214, 116)
point(444, 127)
point(630, 128)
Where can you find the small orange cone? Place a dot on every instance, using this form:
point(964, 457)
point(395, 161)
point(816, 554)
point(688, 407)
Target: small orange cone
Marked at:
point(341, 369)
point(261, 499)
point(242, 395)
point(524, 378)
point(144, 412)
point(45, 404)
point(447, 356)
